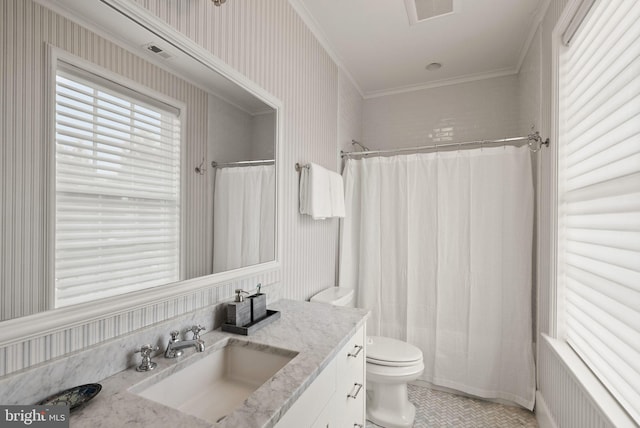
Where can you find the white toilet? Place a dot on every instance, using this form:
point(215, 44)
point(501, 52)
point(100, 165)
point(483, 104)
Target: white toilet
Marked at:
point(391, 364)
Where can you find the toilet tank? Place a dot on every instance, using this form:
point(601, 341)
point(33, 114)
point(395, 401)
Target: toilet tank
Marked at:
point(337, 296)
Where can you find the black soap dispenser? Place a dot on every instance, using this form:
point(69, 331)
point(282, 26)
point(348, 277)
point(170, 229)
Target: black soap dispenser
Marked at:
point(239, 311)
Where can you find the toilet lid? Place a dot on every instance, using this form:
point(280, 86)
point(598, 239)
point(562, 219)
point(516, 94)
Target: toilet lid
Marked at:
point(385, 350)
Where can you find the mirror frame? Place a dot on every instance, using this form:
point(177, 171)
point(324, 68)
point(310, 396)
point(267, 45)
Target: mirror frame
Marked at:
point(24, 329)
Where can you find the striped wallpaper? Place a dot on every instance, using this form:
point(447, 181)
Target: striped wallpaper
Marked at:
point(266, 41)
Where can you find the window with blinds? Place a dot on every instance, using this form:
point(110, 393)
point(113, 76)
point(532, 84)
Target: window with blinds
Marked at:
point(599, 196)
point(117, 189)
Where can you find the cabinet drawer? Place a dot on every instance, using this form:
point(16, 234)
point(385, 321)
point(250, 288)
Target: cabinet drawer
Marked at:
point(356, 407)
point(351, 405)
point(351, 358)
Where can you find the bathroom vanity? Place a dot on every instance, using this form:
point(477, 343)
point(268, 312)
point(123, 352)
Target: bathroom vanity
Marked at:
point(316, 352)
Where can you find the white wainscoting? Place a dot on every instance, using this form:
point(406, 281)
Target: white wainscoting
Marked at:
point(573, 397)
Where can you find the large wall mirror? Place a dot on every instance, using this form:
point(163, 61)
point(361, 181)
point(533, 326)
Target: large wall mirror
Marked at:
point(132, 162)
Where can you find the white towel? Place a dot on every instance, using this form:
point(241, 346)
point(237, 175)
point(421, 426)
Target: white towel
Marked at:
point(321, 193)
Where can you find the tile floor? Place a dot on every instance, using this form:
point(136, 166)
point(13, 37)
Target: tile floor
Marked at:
point(435, 409)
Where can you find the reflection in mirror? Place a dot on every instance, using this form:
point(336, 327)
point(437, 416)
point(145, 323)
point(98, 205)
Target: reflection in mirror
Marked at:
point(244, 209)
point(242, 151)
point(134, 201)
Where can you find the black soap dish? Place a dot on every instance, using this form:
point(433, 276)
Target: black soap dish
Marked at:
point(73, 397)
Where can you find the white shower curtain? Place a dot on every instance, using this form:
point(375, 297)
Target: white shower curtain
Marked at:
point(243, 216)
point(439, 247)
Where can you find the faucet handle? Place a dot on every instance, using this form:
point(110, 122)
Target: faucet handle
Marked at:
point(146, 350)
point(146, 364)
point(196, 329)
point(175, 335)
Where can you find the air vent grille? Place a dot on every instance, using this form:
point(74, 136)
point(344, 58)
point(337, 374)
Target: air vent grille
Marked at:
point(421, 10)
point(157, 50)
point(426, 9)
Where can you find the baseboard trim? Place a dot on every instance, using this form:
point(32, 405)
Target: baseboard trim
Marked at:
point(543, 415)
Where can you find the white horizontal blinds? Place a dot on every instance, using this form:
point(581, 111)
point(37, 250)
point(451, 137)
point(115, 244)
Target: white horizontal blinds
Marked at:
point(599, 196)
point(117, 189)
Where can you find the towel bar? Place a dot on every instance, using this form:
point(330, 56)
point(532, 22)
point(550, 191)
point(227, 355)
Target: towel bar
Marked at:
point(299, 167)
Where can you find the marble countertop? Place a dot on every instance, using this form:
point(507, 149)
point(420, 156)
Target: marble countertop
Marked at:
point(315, 331)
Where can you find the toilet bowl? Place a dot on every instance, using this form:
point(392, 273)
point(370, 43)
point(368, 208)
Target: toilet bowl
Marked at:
point(391, 363)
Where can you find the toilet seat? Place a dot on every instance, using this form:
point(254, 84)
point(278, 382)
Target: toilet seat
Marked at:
point(385, 351)
point(393, 363)
point(390, 374)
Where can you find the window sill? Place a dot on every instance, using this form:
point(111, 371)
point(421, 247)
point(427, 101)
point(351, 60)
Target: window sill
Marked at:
point(592, 387)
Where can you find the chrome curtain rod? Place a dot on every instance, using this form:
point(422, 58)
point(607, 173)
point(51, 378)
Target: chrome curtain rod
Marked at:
point(531, 138)
point(242, 163)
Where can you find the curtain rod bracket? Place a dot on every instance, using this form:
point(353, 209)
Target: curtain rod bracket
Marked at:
point(362, 146)
point(201, 169)
point(535, 137)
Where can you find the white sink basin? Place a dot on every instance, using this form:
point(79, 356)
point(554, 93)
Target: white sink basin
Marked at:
point(216, 384)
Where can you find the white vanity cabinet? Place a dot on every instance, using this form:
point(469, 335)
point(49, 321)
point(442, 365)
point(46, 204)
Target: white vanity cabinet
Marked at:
point(349, 399)
point(336, 398)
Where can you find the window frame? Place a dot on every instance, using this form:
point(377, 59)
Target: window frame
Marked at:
point(593, 387)
point(56, 56)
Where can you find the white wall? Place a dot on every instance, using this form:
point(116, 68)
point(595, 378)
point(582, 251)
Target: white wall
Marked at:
point(483, 109)
point(349, 113)
point(235, 135)
point(529, 90)
point(230, 131)
point(263, 128)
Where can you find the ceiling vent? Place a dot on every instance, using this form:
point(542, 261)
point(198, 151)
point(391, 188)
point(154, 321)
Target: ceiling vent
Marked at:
point(422, 10)
point(157, 50)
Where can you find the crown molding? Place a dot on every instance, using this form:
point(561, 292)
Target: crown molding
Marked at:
point(440, 83)
point(315, 28)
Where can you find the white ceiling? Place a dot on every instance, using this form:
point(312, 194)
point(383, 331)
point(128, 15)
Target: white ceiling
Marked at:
point(373, 41)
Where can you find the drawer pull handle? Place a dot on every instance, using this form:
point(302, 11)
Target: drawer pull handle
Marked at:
point(358, 426)
point(355, 352)
point(355, 395)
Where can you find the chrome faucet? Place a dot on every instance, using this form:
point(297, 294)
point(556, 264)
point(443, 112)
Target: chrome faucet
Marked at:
point(175, 345)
